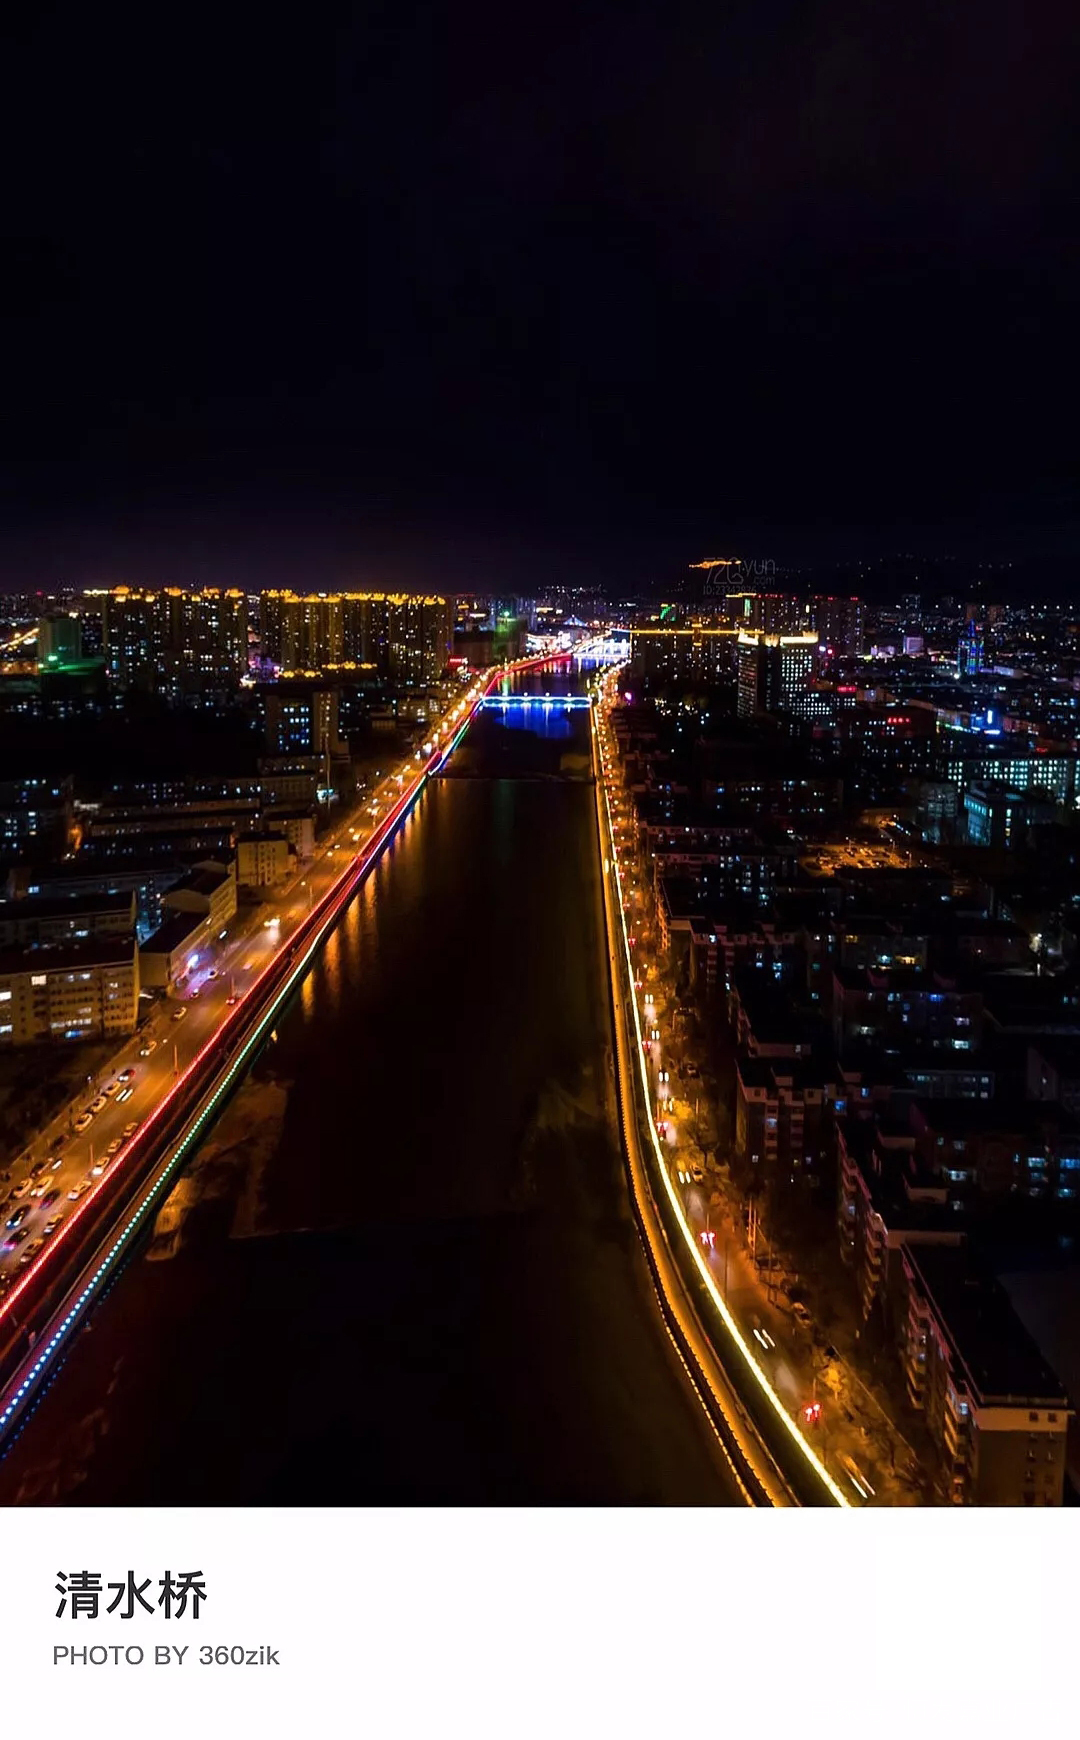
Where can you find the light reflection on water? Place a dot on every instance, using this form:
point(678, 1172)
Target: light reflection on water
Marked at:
point(444, 1303)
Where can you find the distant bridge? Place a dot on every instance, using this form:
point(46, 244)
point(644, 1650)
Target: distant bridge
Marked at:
point(553, 703)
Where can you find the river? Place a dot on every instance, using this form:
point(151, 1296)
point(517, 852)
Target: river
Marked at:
point(404, 1269)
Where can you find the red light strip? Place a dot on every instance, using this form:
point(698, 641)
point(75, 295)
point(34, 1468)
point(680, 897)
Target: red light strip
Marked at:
point(342, 889)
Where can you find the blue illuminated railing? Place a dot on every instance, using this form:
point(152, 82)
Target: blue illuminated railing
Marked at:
point(551, 702)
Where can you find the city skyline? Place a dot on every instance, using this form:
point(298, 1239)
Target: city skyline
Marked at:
point(500, 1003)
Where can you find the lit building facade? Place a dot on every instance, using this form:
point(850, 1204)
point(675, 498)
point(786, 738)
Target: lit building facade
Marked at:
point(87, 990)
point(774, 673)
point(996, 1412)
point(59, 641)
point(971, 652)
point(174, 642)
point(405, 641)
point(300, 718)
point(766, 612)
point(839, 624)
point(35, 814)
point(683, 655)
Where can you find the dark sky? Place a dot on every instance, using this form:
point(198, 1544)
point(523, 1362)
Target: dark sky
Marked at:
point(493, 294)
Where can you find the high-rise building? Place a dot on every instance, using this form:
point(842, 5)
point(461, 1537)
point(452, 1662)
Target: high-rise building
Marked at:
point(59, 641)
point(206, 643)
point(970, 653)
point(774, 674)
point(911, 608)
point(406, 640)
point(35, 815)
point(690, 655)
point(174, 642)
point(131, 630)
point(301, 632)
point(997, 1414)
point(300, 717)
point(766, 612)
point(839, 625)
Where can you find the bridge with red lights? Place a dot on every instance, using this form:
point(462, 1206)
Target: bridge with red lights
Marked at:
point(47, 1306)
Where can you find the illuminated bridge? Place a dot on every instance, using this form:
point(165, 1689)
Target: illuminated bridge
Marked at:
point(61, 1286)
point(563, 702)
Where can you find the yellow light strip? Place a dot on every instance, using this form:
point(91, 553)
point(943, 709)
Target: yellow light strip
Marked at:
point(676, 1203)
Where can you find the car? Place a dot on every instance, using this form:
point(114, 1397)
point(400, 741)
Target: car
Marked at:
point(22, 1190)
point(31, 1252)
point(232, 998)
point(55, 1165)
point(129, 1130)
point(19, 1216)
point(113, 1089)
point(126, 1074)
point(178, 1014)
point(16, 1238)
point(78, 1190)
point(114, 1147)
point(50, 1197)
point(191, 999)
point(39, 1189)
point(51, 1225)
point(148, 1045)
point(98, 1105)
point(83, 1122)
point(213, 973)
point(801, 1314)
point(38, 1168)
point(697, 1172)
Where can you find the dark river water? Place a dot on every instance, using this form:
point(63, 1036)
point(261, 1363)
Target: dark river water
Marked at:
point(406, 1270)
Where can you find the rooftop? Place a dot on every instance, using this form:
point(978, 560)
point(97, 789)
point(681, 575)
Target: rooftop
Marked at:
point(175, 933)
point(34, 907)
point(66, 957)
point(911, 981)
point(1007, 1117)
point(1001, 1360)
point(204, 881)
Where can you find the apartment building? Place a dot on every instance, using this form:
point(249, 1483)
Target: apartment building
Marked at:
point(995, 1410)
point(69, 991)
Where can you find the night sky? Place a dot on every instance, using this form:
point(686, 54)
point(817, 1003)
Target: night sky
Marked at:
point(475, 295)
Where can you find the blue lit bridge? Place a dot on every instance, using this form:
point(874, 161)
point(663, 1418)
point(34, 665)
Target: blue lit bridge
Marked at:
point(553, 703)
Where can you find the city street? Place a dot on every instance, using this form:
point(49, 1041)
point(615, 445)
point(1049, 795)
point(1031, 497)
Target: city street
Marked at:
point(733, 1286)
point(857, 1442)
